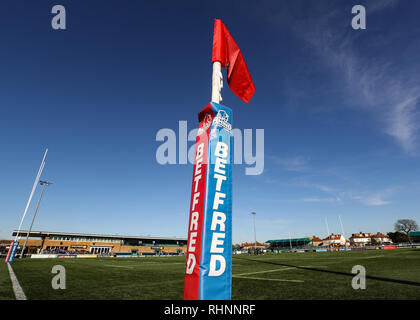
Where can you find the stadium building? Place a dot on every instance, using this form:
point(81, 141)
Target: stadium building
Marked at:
point(288, 243)
point(65, 242)
point(250, 247)
point(334, 240)
point(415, 236)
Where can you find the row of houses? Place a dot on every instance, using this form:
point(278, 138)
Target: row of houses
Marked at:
point(356, 240)
point(360, 239)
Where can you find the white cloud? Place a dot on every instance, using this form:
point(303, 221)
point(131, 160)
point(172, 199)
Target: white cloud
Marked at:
point(374, 83)
point(296, 163)
point(322, 200)
point(377, 5)
point(323, 188)
point(366, 197)
point(377, 198)
point(403, 123)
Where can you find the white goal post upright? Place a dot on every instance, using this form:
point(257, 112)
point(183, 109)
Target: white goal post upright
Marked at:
point(342, 230)
point(41, 168)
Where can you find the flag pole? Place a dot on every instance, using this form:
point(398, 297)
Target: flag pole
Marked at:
point(208, 276)
point(217, 82)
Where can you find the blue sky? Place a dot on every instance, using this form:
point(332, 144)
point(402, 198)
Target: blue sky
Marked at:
point(340, 110)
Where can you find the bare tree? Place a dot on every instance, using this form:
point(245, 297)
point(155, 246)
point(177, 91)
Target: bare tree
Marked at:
point(406, 226)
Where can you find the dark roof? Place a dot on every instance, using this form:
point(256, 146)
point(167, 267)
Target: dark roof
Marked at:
point(288, 240)
point(90, 235)
point(414, 234)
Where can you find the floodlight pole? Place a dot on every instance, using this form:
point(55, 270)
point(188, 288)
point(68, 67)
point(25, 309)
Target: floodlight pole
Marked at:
point(44, 184)
point(290, 241)
point(328, 229)
point(255, 233)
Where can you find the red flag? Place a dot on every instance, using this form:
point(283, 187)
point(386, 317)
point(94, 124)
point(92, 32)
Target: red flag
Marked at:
point(227, 52)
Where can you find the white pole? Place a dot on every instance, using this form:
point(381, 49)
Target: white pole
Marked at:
point(32, 223)
point(326, 223)
point(41, 168)
point(217, 82)
point(328, 231)
point(290, 241)
point(342, 230)
point(255, 233)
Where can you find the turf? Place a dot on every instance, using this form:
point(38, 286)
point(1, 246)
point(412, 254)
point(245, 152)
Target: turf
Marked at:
point(391, 274)
point(6, 291)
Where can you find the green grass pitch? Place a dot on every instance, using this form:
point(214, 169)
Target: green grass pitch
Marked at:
point(391, 274)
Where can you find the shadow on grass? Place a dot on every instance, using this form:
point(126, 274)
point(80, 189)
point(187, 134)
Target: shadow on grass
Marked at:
point(411, 283)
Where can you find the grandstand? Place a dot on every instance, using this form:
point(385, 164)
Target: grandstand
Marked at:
point(65, 242)
point(288, 243)
point(415, 236)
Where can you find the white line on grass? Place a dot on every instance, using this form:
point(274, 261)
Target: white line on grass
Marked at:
point(373, 257)
point(132, 266)
point(168, 263)
point(313, 266)
point(257, 272)
point(110, 265)
point(245, 275)
point(267, 279)
point(17, 289)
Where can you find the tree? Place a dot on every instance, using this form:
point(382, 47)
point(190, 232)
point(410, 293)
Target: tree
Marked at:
point(397, 237)
point(406, 226)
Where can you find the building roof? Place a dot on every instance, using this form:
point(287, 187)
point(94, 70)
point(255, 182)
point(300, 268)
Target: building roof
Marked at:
point(414, 234)
point(380, 235)
point(361, 235)
point(251, 244)
point(288, 240)
point(333, 237)
point(41, 234)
